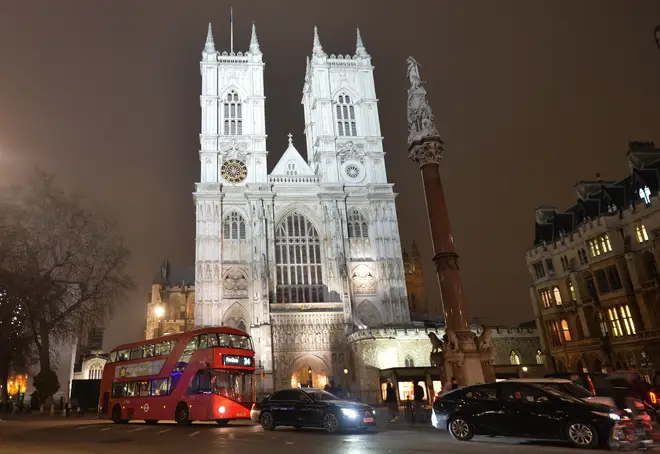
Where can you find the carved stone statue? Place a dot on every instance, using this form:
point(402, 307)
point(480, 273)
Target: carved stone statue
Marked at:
point(485, 339)
point(436, 343)
point(452, 341)
point(421, 122)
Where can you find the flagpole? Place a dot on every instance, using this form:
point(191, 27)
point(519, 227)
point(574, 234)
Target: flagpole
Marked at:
point(231, 28)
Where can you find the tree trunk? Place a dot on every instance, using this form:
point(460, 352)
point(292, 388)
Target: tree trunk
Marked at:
point(4, 376)
point(44, 350)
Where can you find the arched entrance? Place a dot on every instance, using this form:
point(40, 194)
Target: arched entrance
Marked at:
point(309, 372)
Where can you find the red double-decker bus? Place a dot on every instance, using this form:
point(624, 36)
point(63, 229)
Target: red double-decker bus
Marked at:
point(202, 375)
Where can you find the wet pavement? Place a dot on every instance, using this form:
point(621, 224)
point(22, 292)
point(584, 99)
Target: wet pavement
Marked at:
point(31, 435)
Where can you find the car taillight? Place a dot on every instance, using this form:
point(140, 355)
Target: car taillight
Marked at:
point(653, 397)
point(253, 405)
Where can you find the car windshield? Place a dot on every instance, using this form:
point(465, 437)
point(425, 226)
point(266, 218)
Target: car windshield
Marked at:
point(319, 395)
point(563, 395)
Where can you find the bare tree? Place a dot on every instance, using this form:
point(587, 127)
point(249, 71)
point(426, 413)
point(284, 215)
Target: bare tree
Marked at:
point(68, 262)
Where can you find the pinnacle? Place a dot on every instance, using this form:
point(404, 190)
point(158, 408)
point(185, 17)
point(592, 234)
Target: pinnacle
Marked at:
point(254, 42)
point(360, 50)
point(318, 49)
point(210, 45)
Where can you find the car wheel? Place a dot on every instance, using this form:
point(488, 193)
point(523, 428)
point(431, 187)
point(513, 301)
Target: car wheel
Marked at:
point(182, 415)
point(460, 429)
point(267, 421)
point(330, 423)
point(222, 422)
point(582, 435)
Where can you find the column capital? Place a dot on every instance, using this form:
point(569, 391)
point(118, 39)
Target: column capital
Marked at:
point(426, 151)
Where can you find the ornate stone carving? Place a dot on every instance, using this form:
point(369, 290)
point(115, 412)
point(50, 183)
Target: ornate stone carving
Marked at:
point(364, 280)
point(446, 260)
point(427, 153)
point(235, 284)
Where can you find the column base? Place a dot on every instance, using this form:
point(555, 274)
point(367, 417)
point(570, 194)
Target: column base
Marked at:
point(464, 361)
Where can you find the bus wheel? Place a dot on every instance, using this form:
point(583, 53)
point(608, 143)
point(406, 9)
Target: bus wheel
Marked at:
point(222, 422)
point(116, 415)
point(182, 415)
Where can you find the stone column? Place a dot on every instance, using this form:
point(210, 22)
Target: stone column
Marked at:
point(463, 359)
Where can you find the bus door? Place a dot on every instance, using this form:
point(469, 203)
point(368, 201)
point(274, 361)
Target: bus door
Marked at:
point(199, 396)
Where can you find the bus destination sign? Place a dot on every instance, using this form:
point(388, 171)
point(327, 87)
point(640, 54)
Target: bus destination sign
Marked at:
point(235, 360)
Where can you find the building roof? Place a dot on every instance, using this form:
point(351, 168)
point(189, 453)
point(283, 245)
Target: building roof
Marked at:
point(292, 163)
point(597, 198)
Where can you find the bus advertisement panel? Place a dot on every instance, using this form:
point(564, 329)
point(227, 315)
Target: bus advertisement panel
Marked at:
point(201, 375)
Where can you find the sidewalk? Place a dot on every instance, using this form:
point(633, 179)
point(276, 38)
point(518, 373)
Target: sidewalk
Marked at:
point(383, 417)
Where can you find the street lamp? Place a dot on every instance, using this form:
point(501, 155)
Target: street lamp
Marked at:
point(159, 311)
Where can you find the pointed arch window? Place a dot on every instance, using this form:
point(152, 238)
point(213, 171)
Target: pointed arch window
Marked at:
point(345, 116)
point(409, 361)
point(566, 330)
point(298, 261)
point(557, 295)
point(539, 357)
point(95, 372)
point(232, 115)
point(234, 227)
point(357, 225)
point(645, 194)
point(514, 358)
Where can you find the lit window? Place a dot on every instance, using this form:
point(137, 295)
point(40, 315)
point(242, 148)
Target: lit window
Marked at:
point(645, 194)
point(345, 116)
point(642, 236)
point(611, 208)
point(557, 295)
point(603, 324)
point(626, 318)
point(233, 115)
point(514, 357)
point(546, 297)
point(615, 322)
point(571, 290)
point(600, 245)
point(539, 357)
point(565, 330)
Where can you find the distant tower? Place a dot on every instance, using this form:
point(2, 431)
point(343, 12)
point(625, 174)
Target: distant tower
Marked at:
point(416, 289)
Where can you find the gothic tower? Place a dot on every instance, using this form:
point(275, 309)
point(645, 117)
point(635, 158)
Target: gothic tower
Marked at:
point(231, 198)
point(419, 308)
point(345, 150)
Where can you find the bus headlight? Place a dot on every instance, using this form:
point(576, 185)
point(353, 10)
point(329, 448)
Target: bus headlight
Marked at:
point(221, 410)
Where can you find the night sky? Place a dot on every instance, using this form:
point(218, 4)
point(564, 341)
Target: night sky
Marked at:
point(530, 97)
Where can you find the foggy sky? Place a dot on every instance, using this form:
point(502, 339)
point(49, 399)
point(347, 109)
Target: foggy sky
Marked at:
point(530, 97)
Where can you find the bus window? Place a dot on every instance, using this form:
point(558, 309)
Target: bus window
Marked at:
point(213, 340)
point(236, 386)
point(118, 390)
point(192, 345)
point(201, 383)
point(174, 379)
point(203, 341)
point(167, 347)
point(130, 389)
point(113, 357)
point(159, 387)
point(242, 342)
point(136, 353)
point(123, 355)
point(143, 388)
point(223, 340)
point(148, 351)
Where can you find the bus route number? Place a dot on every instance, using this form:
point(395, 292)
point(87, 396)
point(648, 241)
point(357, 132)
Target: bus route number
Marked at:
point(235, 360)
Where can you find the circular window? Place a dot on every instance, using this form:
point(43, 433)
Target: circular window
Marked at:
point(233, 171)
point(353, 171)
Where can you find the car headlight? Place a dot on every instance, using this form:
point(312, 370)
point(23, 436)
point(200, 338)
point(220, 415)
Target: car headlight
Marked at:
point(613, 416)
point(349, 413)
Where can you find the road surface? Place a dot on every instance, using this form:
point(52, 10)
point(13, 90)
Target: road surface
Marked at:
point(73, 436)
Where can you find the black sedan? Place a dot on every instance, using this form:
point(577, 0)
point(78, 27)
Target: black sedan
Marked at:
point(523, 410)
point(312, 408)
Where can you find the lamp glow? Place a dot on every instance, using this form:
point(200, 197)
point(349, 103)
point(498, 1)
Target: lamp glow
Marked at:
point(159, 311)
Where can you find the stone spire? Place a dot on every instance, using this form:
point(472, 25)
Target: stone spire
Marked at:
point(209, 47)
point(254, 42)
point(424, 143)
point(317, 49)
point(360, 50)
